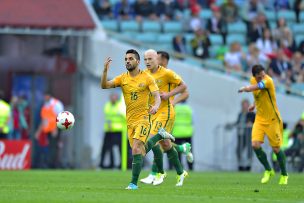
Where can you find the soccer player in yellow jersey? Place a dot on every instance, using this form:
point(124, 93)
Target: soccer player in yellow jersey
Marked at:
point(137, 86)
point(267, 122)
point(165, 79)
point(155, 177)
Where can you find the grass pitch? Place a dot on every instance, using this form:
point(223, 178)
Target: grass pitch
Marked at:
point(108, 186)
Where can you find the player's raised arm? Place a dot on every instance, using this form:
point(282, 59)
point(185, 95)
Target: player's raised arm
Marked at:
point(104, 82)
point(157, 100)
point(249, 88)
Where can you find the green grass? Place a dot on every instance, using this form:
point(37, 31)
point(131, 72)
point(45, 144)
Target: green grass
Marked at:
point(108, 186)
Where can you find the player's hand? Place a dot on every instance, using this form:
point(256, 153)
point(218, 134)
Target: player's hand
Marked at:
point(107, 64)
point(153, 110)
point(251, 108)
point(164, 95)
point(242, 89)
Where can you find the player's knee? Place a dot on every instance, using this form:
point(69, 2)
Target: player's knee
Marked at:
point(276, 149)
point(166, 145)
point(137, 147)
point(255, 145)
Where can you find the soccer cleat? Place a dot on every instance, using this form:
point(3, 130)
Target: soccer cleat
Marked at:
point(165, 134)
point(190, 157)
point(148, 180)
point(283, 180)
point(267, 176)
point(159, 178)
point(181, 178)
point(132, 186)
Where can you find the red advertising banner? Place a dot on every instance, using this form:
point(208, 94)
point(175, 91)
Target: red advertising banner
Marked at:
point(15, 155)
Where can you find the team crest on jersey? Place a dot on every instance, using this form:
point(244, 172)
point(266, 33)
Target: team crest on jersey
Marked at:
point(158, 81)
point(141, 85)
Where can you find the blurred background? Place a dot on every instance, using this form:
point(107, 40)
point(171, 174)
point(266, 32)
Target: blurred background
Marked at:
point(53, 51)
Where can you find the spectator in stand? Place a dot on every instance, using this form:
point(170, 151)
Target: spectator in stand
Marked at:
point(229, 11)
point(257, 27)
point(301, 47)
point(200, 44)
point(278, 32)
point(165, 9)
point(279, 66)
point(144, 9)
point(103, 9)
point(297, 64)
point(298, 6)
point(216, 24)
point(266, 44)
point(234, 58)
point(179, 46)
point(254, 57)
point(123, 10)
point(196, 22)
point(287, 42)
point(281, 5)
point(251, 9)
point(5, 111)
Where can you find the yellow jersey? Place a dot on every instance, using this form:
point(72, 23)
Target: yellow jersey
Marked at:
point(137, 92)
point(265, 101)
point(166, 80)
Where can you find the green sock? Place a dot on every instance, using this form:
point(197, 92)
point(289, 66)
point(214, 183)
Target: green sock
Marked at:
point(282, 162)
point(136, 167)
point(262, 158)
point(174, 160)
point(178, 148)
point(154, 168)
point(158, 158)
point(152, 141)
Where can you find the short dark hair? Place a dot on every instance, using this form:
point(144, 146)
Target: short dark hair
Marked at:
point(164, 54)
point(256, 69)
point(133, 51)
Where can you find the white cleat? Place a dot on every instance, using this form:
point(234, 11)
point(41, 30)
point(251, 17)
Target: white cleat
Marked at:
point(181, 178)
point(165, 134)
point(159, 178)
point(148, 180)
point(190, 157)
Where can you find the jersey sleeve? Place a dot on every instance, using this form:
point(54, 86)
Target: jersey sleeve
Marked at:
point(265, 83)
point(173, 78)
point(117, 80)
point(151, 84)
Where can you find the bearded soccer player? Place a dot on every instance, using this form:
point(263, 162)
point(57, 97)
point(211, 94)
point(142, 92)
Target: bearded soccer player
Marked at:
point(165, 79)
point(136, 86)
point(267, 122)
point(156, 177)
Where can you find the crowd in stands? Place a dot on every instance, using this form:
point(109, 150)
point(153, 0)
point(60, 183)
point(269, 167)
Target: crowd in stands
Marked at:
point(251, 31)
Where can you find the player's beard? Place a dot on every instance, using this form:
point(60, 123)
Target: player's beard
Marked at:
point(130, 67)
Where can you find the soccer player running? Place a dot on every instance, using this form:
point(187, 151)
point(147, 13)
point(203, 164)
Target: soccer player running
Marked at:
point(136, 86)
point(164, 118)
point(156, 177)
point(267, 121)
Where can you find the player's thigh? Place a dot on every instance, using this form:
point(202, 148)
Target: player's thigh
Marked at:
point(142, 131)
point(163, 120)
point(275, 133)
point(258, 132)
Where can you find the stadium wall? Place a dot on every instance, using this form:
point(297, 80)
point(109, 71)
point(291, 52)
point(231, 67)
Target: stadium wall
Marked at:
point(213, 97)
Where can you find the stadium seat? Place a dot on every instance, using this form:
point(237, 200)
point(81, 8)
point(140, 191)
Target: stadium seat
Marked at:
point(271, 16)
point(149, 38)
point(214, 64)
point(129, 26)
point(299, 39)
point(151, 26)
point(173, 27)
point(205, 13)
point(111, 25)
point(298, 28)
point(288, 15)
point(238, 27)
point(216, 39)
point(302, 17)
point(298, 88)
point(236, 38)
point(165, 38)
